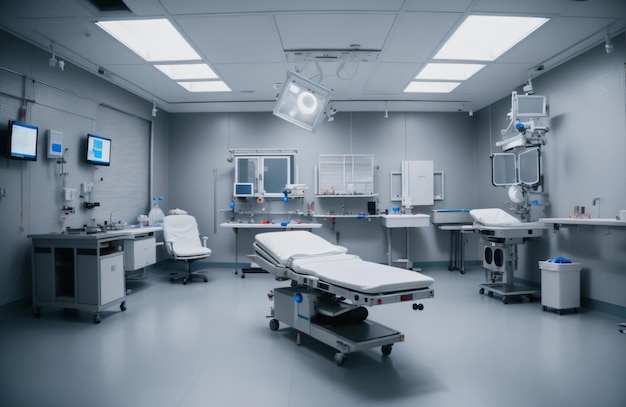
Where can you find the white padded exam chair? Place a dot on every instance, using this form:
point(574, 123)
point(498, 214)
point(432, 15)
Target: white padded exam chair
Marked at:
point(182, 241)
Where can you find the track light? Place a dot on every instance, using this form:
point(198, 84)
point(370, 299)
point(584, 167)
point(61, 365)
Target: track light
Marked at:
point(154, 109)
point(608, 46)
point(52, 61)
point(386, 110)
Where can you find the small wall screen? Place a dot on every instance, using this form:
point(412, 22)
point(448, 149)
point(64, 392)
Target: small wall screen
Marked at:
point(23, 141)
point(98, 150)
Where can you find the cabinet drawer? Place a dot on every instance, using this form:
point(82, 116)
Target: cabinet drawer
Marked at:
point(139, 253)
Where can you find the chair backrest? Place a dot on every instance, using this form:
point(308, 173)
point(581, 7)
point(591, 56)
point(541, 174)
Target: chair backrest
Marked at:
point(182, 230)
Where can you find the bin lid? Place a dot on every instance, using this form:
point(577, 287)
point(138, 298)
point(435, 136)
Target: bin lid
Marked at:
point(546, 265)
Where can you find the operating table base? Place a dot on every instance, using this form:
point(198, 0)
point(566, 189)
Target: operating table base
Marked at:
point(301, 309)
point(509, 290)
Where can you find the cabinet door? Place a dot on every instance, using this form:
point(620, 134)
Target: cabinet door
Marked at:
point(139, 253)
point(112, 280)
point(43, 274)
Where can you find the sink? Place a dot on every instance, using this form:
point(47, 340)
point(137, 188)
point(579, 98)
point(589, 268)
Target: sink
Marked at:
point(406, 221)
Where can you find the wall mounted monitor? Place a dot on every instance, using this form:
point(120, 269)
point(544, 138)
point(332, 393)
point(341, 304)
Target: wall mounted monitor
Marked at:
point(243, 189)
point(529, 105)
point(98, 150)
point(22, 141)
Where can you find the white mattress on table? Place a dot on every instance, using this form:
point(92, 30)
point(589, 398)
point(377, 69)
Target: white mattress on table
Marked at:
point(307, 253)
point(499, 219)
point(288, 245)
point(493, 217)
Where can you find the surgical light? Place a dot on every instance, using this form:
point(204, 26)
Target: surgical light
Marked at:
point(302, 102)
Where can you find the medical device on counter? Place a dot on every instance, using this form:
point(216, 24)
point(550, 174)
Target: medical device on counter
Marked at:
point(243, 189)
point(156, 215)
point(293, 191)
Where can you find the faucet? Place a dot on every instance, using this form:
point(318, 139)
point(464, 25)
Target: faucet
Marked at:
point(596, 200)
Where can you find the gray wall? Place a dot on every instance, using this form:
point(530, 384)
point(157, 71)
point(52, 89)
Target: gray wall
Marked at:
point(75, 102)
point(201, 177)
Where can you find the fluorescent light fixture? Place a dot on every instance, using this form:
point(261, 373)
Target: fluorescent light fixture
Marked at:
point(450, 72)
point(431, 87)
point(485, 38)
point(302, 102)
point(205, 86)
point(153, 40)
point(187, 71)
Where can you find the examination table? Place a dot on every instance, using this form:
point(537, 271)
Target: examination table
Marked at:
point(331, 288)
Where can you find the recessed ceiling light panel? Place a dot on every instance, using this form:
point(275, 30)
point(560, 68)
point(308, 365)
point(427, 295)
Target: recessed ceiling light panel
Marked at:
point(485, 38)
point(205, 86)
point(153, 40)
point(431, 87)
point(187, 71)
point(450, 72)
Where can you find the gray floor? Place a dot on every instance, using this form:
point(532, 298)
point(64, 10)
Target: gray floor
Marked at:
point(210, 345)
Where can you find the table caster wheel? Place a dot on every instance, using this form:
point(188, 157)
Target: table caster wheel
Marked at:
point(123, 306)
point(481, 291)
point(206, 280)
point(274, 324)
point(37, 312)
point(490, 293)
point(544, 308)
point(185, 281)
point(386, 349)
point(96, 318)
point(418, 307)
point(339, 358)
point(505, 300)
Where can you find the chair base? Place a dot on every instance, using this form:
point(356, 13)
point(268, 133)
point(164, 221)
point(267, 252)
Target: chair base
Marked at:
point(186, 277)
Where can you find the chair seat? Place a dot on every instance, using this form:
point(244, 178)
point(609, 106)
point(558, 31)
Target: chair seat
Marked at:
point(191, 252)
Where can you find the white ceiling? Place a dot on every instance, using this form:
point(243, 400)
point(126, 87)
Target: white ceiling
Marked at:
point(245, 42)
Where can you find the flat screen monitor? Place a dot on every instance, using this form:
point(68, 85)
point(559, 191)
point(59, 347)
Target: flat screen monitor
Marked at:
point(98, 150)
point(243, 189)
point(530, 106)
point(22, 141)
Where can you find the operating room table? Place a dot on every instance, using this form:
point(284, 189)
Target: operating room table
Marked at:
point(330, 290)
